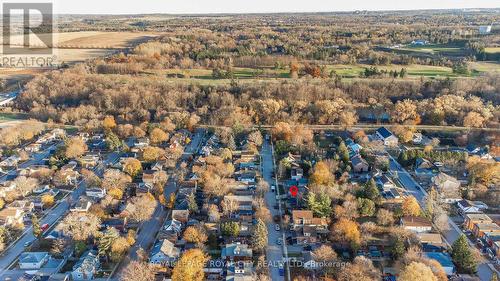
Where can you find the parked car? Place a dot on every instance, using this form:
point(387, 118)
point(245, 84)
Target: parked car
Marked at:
point(44, 226)
point(28, 243)
point(273, 188)
point(281, 270)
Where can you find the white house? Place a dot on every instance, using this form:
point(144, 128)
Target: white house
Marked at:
point(485, 29)
point(416, 224)
point(386, 136)
point(11, 216)
point(96, 192)
point(470, 207)
point(6, 187)
point(86, 267)
point(33, 260)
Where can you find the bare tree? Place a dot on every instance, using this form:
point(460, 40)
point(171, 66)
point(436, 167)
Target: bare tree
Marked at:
point(138, 271)
point(80, 226)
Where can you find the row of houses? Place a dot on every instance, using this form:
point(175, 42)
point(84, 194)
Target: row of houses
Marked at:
point(485, 230)
point(44, 264)
point(235, 260)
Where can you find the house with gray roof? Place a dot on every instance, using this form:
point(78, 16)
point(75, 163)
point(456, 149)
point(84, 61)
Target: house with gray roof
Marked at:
point(33, 260)
point(164, 252)
point(236, 252)
point(86, 267)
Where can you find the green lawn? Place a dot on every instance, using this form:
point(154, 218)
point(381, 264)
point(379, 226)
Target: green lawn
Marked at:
point(9, 116)
point(249, 75)
point(435, 49)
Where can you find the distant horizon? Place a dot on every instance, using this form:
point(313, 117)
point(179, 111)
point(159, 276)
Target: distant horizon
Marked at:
point(272, 13)
point(237, 7)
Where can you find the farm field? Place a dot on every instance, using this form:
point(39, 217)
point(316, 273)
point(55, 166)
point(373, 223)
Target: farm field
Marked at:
point(90, 39)
point(74, 47)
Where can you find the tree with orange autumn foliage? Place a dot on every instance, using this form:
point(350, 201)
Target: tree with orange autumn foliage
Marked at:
point(347, 231)
point(410, 207)
point(321, 174)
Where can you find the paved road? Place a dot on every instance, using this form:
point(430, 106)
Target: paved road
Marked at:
point(485, 270)
point(53, 216)
point(274, 252)
point(149, 229)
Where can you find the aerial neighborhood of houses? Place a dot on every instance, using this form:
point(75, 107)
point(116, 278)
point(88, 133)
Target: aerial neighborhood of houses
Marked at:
point(247, 206)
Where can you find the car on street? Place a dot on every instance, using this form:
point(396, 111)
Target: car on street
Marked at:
point(44, 226)
point(276, 218)
point(273, 188)
point(281, 270)
point(28, 243)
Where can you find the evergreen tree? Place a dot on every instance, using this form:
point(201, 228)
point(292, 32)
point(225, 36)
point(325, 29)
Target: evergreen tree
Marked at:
point(192, 204)
point(320, 205)
point(106, 240)
point(112, 141)
point(370, 190)
point(37, 230)
point(343, 152)
point(259, 237)
point(399, 249)
point(462, 256)
point(366, 207)
point(402, 73)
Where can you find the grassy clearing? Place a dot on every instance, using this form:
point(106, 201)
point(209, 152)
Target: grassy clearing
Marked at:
point(435, 49)
point(348, 72)
point(492, 50)
point(9, 116)
point(484, 66)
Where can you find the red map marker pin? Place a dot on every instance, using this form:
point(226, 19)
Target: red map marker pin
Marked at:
point(294, 190)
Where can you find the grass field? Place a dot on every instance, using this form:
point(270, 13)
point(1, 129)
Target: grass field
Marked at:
point(8, 116)
point(435, 49)
point(483, 66)
point(204, 76)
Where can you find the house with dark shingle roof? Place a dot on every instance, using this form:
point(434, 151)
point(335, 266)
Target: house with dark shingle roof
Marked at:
point(386, 136)
point(416, 224)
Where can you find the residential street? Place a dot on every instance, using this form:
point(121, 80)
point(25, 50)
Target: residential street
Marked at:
point(54, 215)
point(149, 230)
point(485, 270)
point(274, 251)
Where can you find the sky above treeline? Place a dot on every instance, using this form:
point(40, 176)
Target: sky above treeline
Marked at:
point(255, 6)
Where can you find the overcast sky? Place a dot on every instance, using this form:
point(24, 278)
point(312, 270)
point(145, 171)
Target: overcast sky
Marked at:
point(256, 6)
